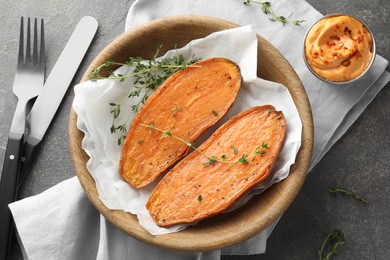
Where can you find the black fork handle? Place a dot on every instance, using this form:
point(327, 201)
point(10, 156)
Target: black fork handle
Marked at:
point(8, 190)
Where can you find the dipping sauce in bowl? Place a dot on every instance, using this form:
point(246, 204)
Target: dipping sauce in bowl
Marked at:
point(339, 48)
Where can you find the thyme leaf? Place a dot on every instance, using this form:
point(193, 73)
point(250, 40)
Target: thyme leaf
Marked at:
point(167, 133)
point(151, 127)
point(212, 160)
point(175, 109)
point(260, 149)
point(121, 139)
point(243, 159)
point(266, 8)
point(115, 110)
point(235, 150)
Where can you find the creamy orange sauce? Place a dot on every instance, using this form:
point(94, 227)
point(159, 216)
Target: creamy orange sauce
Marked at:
point(338, 48)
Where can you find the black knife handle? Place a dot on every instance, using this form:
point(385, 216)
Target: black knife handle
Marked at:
point(29, 151)
point(8, 189)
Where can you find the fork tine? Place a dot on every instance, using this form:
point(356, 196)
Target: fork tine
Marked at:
point(35, 43)
point(42, 55)
point(21, 42)
point(28, 42)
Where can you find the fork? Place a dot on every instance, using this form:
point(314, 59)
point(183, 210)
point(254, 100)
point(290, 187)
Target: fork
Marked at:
point(29, 78)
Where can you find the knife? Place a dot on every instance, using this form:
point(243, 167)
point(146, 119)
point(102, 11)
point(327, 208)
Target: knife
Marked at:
point(55, 88)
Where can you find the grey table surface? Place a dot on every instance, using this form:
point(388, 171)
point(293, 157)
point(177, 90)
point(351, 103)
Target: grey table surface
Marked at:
point(360, 160)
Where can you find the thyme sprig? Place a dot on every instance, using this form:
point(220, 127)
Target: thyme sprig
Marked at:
point(349, 193)
point(266, 8)
point(212, 159)
point(331, 243)
point(147, 75)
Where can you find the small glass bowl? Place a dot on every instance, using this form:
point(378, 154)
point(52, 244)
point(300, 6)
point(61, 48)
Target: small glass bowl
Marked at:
point(373, 50)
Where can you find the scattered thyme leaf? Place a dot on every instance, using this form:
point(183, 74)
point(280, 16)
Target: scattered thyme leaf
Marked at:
point(200, 198)
point(215, 113)
point(243, 159)
point(151, 127)
point(297, 22)
point(331, 243)
point(140, 141)
point(260, 149)
point(266, 8)
point(347, 192)
point(116, 110)
point(167, 133)
point(212, 160)
point(175, 109)
point(121, 140)
point(122, 128)
point(113, 129)
point(235, 150)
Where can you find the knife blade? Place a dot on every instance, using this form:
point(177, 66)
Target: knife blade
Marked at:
point(55, 87)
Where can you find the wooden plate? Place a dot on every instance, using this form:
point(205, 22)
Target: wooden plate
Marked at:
point(261, 211)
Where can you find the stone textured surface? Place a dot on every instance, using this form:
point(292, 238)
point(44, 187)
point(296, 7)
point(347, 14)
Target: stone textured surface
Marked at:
point(360, 161)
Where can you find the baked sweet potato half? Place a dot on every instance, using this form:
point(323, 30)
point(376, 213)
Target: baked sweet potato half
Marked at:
point(185, 105)
point(237, 157)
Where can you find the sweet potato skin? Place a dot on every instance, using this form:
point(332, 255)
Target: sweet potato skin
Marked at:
point(192, 191)
point(188, 103)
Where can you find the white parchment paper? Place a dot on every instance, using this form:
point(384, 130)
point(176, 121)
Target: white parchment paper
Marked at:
point(91, 104)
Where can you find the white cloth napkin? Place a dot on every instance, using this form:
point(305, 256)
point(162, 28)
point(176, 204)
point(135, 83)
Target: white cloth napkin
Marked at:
point(60, 223)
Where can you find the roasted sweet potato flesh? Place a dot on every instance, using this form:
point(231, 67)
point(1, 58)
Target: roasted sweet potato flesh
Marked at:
point(248, 144)
point(188, 103)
